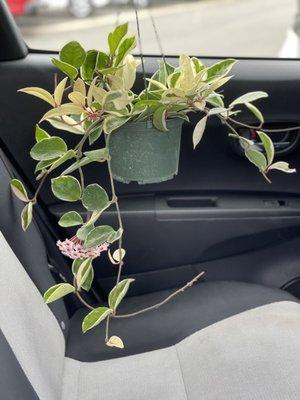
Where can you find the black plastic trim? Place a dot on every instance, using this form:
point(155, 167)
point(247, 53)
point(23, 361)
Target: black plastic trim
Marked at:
point(12, 45)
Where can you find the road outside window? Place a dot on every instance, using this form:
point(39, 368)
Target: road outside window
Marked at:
point(238, 28)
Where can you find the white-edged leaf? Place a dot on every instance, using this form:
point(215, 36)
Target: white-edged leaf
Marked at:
point(59, 91)
point(248, 98)
point(77, 98)
point(95, 198)
point(99, 235)
point(115, 341)
point(71, 218)
point(48, 149)
point(199, 131)
point(255, 111)
point(66, 68)
point(116, 255)
point(64, 109)
point(159, 119)
point(66, 123)
point(57, 292)
point(19, 190)
point(26, 216)
point(40, 134)
point(268, 146)
point(95, 317)
point(83, 272)
point(282, 166)
point(117, 294)
point(66, 188)
point(40, 93)
point(257, 158)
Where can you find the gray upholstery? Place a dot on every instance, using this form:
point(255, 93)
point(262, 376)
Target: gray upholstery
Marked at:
point(200, 306)
point(28, 246)
point(252, 355)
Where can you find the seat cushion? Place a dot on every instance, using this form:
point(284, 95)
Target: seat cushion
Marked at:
point(198, 307)
point(254, 355)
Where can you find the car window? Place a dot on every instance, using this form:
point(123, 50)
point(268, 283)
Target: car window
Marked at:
point(240, 28)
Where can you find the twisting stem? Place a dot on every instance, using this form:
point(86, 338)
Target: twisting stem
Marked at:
point(234, 121)
point(166, 300)
point(115, 200)
point(85, 303)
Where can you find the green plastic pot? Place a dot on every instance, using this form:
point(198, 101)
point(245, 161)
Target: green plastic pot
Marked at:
point(141, 153)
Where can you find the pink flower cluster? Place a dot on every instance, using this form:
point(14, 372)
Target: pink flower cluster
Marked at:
point(73, 248)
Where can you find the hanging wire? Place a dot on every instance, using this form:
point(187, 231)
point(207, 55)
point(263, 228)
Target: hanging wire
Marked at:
point(158, 40)
point(141, 51)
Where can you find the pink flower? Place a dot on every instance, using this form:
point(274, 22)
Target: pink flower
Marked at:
point(73, 248)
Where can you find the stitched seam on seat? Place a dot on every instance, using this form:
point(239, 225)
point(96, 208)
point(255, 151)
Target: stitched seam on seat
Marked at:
point(181, 372)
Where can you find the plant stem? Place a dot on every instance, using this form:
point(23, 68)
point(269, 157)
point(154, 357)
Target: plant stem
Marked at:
point(107, 329)
point(234, 121)
point(165, 301)
point(115, 199)
point(79, 296)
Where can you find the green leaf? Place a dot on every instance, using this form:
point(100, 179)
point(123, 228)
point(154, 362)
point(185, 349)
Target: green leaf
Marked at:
point(66, 68)
point(84, 231)
point(112, 123)
point(94, 198)
point(61, 160)
point(63, 110)
point(84, 273)
point(159, 119)
point(88, 279)
point(248, 98)
point(125, 47)
point(95, 317)
point(89, 65)
point(48, 148)
point(117, 294)
point(257, 158)
point(19, 190)
point(220, 69)
point(114, 236)
point(66, 188)
point(115, 37)
point(255, 111)
point(102, 60)
point(268, 146)
point(41, 165)
point(95, 134)
point(282, 166)
point(215, 100)
point(99, 155)
point(64, 125)
point(26, 216)
point(115, 341)
point(71, 218)
point(57, 292)
point(78, 164)
point(162, 72)
point(99, 235)
point(199, 131)
point(40, 93)
point(72, 53)
point(40, 134)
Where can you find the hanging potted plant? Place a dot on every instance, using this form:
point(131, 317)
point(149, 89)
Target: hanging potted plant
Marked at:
point(142, 141)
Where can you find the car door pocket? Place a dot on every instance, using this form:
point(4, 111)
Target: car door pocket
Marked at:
point(191, 202)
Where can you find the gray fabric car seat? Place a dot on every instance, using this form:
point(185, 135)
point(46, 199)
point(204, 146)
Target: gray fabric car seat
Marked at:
point(218, 341)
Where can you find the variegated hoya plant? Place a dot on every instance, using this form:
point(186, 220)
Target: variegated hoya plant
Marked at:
point(95, 98)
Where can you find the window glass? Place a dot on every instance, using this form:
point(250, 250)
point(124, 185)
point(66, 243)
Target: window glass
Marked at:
point(241, 28)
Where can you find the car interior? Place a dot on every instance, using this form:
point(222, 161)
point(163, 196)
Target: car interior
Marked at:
point(233, 335)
